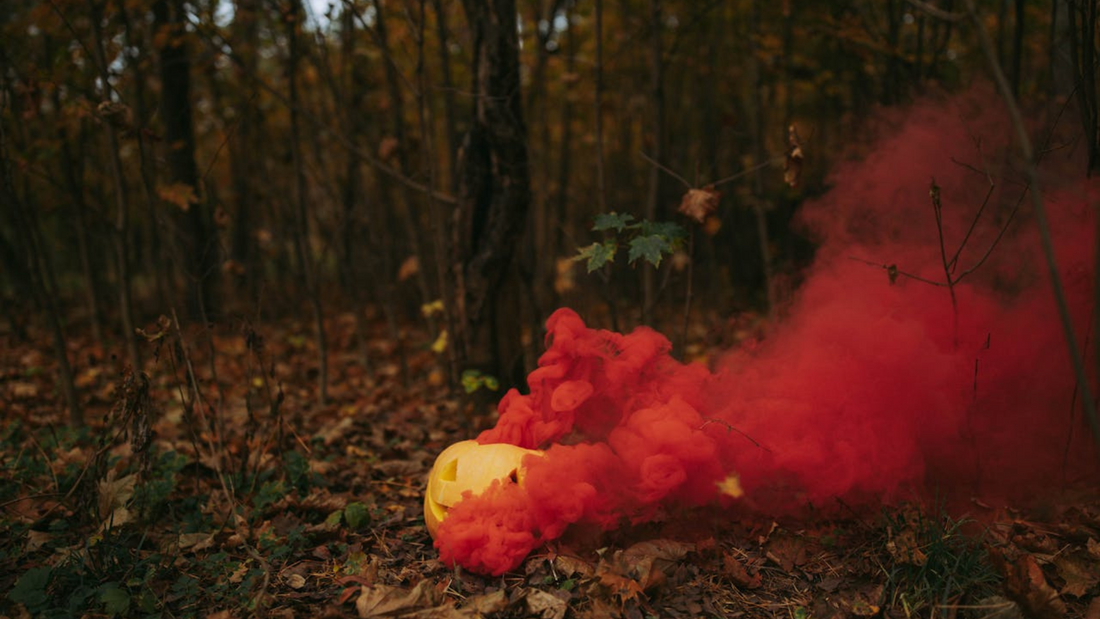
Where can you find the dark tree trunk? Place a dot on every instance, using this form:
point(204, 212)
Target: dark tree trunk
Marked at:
point(244, 145)
point(406, 207)
point(196, 247)
point(39, 272)
point(494, 196)
point(449, 108)
point(657, 129)
point(1018, 47)
point(121, 245)
point(301, 222)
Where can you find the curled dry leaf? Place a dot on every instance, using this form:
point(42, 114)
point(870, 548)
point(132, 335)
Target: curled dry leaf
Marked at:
point(699, 204)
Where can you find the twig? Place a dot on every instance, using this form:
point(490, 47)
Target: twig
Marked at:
point(937, 208)
point(666, 169)
point(937, 12)
point(894, 271)
point(1040, 217)
point(731, 428)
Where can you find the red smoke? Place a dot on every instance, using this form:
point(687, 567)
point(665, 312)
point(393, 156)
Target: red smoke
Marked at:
point(868, 390)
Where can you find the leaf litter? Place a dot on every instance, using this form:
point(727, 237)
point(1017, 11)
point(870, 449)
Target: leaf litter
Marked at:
point(266, 500)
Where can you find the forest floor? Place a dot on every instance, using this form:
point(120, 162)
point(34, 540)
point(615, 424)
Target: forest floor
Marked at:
point(220, 487)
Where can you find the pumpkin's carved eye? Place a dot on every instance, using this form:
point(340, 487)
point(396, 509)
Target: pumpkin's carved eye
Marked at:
point(450, 471)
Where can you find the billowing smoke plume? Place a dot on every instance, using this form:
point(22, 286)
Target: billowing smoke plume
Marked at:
point(875, 386)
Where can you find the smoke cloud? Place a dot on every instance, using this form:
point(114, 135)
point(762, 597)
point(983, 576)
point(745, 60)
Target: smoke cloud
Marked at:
point(874, 387)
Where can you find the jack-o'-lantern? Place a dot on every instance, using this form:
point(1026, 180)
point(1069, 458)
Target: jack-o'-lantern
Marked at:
point(469, 466)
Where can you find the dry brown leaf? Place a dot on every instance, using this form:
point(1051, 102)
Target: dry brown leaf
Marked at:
point(571, 566)
point(387, 148)
point(486, 603)
point(545, 605)
point(625, 588)
point(738, 574)
point(1094, 548)
point(905, 548)
point(180, 195)
point(408, 268)
point(1025, 581)
point(1080, 575)
point(114, 494)
point(699, 204)
point(387, 601)
point(1093, 611)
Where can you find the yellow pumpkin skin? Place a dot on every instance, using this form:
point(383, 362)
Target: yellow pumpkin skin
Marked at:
point(469, 466)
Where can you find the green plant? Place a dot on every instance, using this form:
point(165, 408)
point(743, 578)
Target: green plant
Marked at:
point(931, 561)
point(473, 380)
point(648, 240)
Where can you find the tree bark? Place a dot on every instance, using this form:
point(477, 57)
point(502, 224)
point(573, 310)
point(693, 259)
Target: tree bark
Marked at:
point(122, 207)
point(657, 129)
point(196, 247)
point(494, 196)
point(301, 226)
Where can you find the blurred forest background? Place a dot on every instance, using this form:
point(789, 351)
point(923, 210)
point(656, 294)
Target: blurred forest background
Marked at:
point(435, 166)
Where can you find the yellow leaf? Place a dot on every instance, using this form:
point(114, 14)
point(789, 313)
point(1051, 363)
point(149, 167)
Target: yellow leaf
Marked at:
point(731, 486)
point(440, 344)
point(435, 307)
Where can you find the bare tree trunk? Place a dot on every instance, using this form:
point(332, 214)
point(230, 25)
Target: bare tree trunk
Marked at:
point(73, 171)
point(449, 106)
point(657, 128)
point(565, 155)
point(122, 214)
point(244, 148)
point(197, 247)
point(301, 227)
point(406, 209)
point(1083, 50)
point(756, 122)
point(1018, 47)
point(494, 196)
point(43, 286)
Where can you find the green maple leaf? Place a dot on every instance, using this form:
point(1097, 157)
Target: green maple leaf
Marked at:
point(598, 254)
point(115, 601)
point(612, 221)
point(652, 247)
point(671, 231)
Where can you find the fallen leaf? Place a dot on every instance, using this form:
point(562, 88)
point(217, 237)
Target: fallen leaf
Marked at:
point(1080, 575)
point(1093, 611)
point(195, 541)
point(387, 601)
point(738, 574)
point(905, 548)
point(486, 603)
point(114, 494)
point(545, 605)
point(1025, 581)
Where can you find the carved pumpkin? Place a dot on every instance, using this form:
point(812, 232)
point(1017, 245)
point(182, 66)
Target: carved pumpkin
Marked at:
point(469, 466)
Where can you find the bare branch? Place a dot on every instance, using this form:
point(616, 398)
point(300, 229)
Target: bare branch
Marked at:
point(1040, 217)
point(937, 12)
